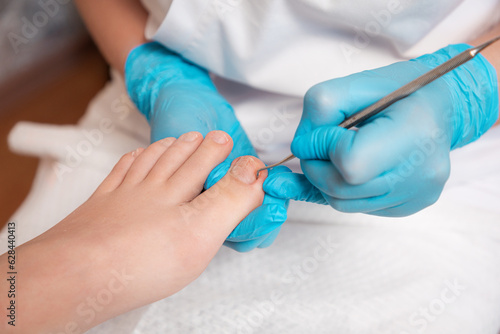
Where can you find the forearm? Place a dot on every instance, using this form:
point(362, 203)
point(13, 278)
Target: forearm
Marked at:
point(492, 53)
point(92, 267)
point(68, 283)
point(117, 27)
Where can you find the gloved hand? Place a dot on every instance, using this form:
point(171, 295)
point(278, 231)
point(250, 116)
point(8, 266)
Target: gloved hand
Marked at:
point(176, 97)
point(396, 163)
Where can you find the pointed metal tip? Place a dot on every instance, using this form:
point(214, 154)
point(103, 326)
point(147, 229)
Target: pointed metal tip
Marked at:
point(483, 46)
point(288, 158)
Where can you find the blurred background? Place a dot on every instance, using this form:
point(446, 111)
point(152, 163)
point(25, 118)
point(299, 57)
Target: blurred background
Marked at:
point(49, 71)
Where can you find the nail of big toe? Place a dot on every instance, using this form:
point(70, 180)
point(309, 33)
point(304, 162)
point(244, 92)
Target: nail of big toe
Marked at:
point(220, 137)
point(244, 169)
point(190, 136)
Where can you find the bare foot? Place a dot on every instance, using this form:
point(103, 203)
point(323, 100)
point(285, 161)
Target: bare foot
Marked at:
point(147, 222)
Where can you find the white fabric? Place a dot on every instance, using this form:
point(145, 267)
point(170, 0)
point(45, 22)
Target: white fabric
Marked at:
point(157, 12)
point(380, 273)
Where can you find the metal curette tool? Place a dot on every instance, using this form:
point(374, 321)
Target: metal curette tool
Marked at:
point(405, 91)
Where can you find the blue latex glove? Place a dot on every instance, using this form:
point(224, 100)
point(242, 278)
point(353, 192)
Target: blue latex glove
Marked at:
point(396, 163)
point(176, 97)
point(282, 183)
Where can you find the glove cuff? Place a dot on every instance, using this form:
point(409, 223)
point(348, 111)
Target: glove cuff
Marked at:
point(151, 66)
point(474, 93)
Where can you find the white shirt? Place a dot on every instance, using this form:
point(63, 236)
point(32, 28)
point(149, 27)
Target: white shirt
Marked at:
point(286, 46)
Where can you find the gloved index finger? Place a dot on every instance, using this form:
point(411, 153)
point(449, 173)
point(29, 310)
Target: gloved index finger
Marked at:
point(333, 101)
point(320, 143)
point(288, 185)
point(363, 154)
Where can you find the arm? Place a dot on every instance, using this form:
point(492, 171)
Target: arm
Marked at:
point(117, 27)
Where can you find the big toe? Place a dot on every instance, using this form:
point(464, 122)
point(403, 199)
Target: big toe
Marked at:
point(231, 199)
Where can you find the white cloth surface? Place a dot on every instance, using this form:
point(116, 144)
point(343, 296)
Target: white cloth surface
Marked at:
point(380, 275)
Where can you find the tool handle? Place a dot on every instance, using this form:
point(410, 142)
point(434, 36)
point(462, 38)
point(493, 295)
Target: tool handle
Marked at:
point(408, 89)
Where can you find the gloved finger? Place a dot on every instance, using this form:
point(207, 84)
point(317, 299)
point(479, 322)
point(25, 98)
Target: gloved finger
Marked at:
point(330, 102)
point(177, 118)
point(277, 170)
point(402, 210)
point(271, 200)
point(294, 186)
point(414, 202)
point(370, 151)
point(243, 146)
point(320, 143)
point(273, 173)
point(182, 111)
point(261, 242)
point(364, 205)
point(282, 184)
point(270, 238)
point(244, 246)
point(259, 222)
point(328, 180)
point(217, 173)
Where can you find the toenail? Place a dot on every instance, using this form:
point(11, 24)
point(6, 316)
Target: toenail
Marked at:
point(190, 136)
point(136, 152)
point(241, 169)
point(220, 137)
point(167, 141)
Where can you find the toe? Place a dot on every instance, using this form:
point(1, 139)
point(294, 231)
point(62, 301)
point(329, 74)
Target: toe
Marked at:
point(175, 156)
point(145, 162)
point(188, 180)
point(230, 200)
point(118, 173)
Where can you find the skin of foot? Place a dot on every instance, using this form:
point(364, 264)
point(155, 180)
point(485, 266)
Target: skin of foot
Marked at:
point(146, 233)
